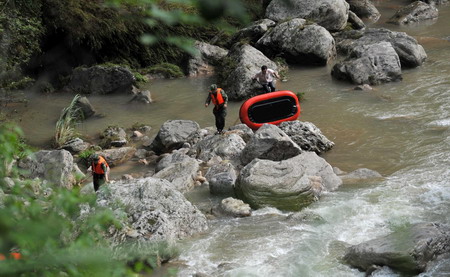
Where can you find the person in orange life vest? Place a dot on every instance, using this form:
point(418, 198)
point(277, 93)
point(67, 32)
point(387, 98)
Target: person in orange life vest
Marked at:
point(266, 78)
point(220, 100)
point(100, 170)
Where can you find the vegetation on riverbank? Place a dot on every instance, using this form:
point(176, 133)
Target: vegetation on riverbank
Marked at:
point(45, 39)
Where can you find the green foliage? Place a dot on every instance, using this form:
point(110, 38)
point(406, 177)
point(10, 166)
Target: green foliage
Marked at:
point(300, 96)
point(166, 69)
point(65, 126)
point(20, 33)
point(54, 232)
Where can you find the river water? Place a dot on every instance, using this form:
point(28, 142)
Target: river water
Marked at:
point(399, 129)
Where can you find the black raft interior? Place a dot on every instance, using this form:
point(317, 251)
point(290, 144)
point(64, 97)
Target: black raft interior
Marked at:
point(272, 109)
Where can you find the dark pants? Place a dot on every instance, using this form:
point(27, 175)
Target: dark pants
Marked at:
point(99, 179)
point(269, 87)
point(220, 112)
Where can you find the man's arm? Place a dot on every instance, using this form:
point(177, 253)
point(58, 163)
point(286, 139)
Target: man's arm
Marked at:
point(208, 100)
point(106, 170)
point(225, 98)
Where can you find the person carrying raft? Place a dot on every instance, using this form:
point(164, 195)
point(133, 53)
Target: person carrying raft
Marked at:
point(220, 100)
point(266, 78)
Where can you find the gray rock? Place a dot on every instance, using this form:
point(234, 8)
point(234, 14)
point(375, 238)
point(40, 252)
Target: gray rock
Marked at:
point(244, 61)
point(407, 251)
point(356, 22)
point(361, 174)
point(243, 131)
point(227, 146)
point(415, 12)
point(56, 166)
point(113, 136)
point(154, 210)
point(287, 185)
point(330, 14)
point(101, 80)
point(253, 32)
point(75, 145)
point(411, 53)
point(271, 143)
point(85, 107)
point(117, 156)
point(143, 96)
point(364, 9)
point(173, 134)
point(182, 173)
point(235, 207)
point(221, 178)
point(307, 136)
point(370, 64)
point(299, 42)
point(209, 56)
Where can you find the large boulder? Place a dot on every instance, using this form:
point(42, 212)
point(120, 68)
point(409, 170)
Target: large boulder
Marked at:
point(75, 145)
point(408, 250)
point(242, 63)
point(101, 80)
point(299, 42)
point(411, 53)
point(287, 185)
point(307, 136)
point(364, 9)
point(370, 64)
point(331, 14)
point(181, 171)
point(55, 166)
point(86, 109)
point(270, 143)
point(208, 56)
point(173, 134)
point(227, 147)
point(154, 210)
point(414, 13)
point(113, 136)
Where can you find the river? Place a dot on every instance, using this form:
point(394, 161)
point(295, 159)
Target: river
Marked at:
point(399, 129)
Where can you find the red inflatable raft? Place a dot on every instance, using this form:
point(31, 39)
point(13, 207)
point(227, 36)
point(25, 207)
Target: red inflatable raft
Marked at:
point(273, 108)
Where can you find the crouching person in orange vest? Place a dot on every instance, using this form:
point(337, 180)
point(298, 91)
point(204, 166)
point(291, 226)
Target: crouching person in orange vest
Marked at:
point(100, 170)
point(220, 100)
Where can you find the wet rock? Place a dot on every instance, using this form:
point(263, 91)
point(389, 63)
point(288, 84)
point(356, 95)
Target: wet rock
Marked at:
point(244, 61)
point(414, 13)
point(75, 145)
point(173, 134)
point(101, 80)
point(113, 136)
point(407, 251)
point(221, 178)
point(364, 9)
point(365, 87)
point(209, 56)
point(56, 166)
point(306, 216)
point(143, 96)
point(307, 136)
point(287, 185)
point(361, 174)
point(87, 110)
point(235, 207)
point(371, 64)
point(153, 208)
point(271, 143)
point(330, 14)
point(299, 43)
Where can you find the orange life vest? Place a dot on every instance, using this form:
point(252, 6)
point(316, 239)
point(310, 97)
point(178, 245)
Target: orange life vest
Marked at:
point(217, 99)
point(97, 167)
